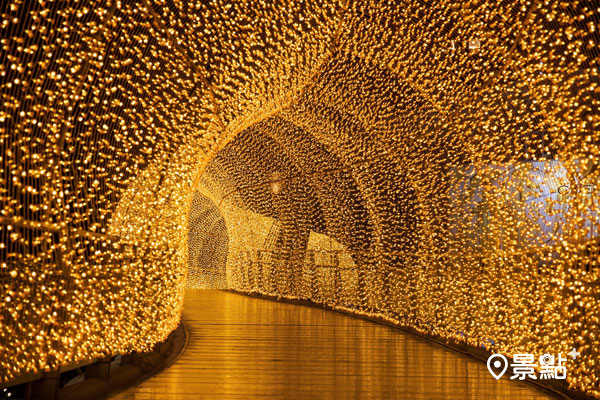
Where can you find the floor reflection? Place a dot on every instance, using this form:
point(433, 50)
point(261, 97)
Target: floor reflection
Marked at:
point(245, 348)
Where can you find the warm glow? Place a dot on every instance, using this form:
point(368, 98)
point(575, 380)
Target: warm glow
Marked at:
point(444, 154)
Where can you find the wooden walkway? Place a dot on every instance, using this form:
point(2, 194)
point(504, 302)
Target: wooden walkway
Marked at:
point(247, 348)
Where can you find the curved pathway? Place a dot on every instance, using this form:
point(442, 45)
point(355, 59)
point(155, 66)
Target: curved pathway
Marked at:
point(246, 348)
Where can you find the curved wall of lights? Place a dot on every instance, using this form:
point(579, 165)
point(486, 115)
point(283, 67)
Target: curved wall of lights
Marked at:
point(431, 162)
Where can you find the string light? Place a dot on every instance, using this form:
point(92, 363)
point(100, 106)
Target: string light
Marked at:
point(433, 163)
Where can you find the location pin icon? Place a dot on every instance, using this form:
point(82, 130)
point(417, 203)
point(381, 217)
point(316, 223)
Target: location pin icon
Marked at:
point(497, 362)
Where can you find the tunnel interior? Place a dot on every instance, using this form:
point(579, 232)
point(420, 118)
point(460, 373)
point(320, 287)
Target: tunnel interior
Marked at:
point(430, 164)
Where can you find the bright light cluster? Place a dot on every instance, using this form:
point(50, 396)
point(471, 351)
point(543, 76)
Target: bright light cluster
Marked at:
point(449, 150)
point(110, 111)
point(431, 162)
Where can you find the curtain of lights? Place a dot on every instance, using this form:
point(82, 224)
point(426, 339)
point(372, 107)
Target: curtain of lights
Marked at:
point(431, 162)
point(207, 245)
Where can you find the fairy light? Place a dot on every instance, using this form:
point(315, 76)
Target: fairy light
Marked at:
point(448, 154)
point(207, 245)
point(419, 152)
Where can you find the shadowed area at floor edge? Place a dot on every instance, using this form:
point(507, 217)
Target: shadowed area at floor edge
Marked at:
point(243, 348)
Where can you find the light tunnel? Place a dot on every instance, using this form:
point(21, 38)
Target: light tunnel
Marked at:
point(429, 164)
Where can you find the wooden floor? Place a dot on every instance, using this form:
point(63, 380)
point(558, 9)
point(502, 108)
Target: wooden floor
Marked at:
point(247, 348)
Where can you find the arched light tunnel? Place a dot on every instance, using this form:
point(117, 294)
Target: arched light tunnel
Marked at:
point(431, 165)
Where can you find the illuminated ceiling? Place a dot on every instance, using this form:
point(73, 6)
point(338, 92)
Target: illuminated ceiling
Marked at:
point(412, 134)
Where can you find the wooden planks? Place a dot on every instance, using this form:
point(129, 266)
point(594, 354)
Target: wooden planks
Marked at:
point(246, 348)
